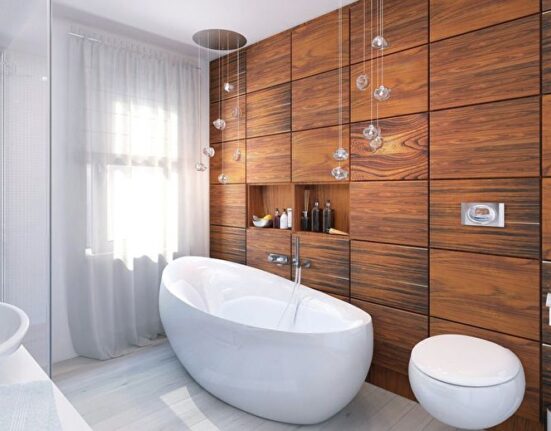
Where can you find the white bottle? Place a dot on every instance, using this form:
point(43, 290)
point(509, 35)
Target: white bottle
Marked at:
point(283, 221)
point(289, 218)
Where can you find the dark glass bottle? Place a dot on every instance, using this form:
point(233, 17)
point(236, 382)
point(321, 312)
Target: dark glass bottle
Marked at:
point(277, 217)
point(315, 219)
point(327, 222)
point(304, 225)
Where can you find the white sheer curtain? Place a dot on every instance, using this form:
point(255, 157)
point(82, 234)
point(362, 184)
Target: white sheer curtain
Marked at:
point(132, 198)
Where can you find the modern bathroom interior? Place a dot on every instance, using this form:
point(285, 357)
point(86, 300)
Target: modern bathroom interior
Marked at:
point(275, 215)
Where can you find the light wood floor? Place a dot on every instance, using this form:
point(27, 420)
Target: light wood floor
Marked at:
point(150, 390)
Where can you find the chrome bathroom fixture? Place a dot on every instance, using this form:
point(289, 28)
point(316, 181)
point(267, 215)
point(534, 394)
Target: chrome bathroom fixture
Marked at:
point(486, 214)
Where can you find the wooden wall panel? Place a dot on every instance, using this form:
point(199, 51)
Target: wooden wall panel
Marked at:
point(235, 125)
point(546, 52)
point(235, 170)
point(321, 100)
point(496, 63)
point(396, 332)
point(269, 62)
point(472, 142)
point(228, 243)
point(261, 242)
point(405, 25)
point(315, 44)
point(519, 237)
point(406, 74)
point(404, 155)
point(269, 111)
point(526, 350)
point(330, 257)
point(546, 218)
point(269, 159)
point(391, 275)
point(546, 135)
point(224, 70)
point(545, 5)
point(545, 289)
point(391, 212)
point(228, 204)
point(493, 292)
point(450, 18)
point(313, 153)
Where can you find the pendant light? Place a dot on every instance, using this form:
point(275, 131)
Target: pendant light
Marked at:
point(236, 112)
point(340, 154)
point(200, 166)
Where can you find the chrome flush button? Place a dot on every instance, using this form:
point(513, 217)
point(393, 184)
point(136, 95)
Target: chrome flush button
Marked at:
point(483, 214)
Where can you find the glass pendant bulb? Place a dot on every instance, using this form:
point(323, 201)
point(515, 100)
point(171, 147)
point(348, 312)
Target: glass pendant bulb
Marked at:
point(219, 123)
point(208, 151)
point(382, 93)
point(223, 178)
point(200, 167)
point(228, 87)
point(340, 154)
point(371, 132)
point(362, 82)
point(379, 42)
point(376, 143)
point(236, 155)
point(236, 112)
point(339, 173)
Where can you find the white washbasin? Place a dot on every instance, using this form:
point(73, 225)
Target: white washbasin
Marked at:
point(14, 324)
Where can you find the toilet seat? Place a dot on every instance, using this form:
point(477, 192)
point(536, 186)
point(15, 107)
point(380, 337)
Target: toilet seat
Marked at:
point(465, 361)
point(466, 382)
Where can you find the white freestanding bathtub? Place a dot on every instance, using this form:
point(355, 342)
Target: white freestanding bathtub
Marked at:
point(223, 320)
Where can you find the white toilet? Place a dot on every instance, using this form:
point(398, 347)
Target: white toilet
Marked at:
point(466, 382)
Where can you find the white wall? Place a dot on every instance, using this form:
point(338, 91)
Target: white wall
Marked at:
point(62, 346)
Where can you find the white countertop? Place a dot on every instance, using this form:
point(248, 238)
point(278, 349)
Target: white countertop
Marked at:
point(20, 367)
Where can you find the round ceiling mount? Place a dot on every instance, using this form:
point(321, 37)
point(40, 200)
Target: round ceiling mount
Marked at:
point(219, 39)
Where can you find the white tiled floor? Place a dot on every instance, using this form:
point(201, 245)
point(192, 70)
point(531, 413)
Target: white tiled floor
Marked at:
point(150, 390)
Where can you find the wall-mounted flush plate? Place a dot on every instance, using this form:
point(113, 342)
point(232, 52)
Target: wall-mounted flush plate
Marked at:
point(483, 214)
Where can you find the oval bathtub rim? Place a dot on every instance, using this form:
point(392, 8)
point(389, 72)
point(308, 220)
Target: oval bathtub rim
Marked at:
point(365, 321)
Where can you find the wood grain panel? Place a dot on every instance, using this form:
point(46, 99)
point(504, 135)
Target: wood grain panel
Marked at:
point(545, 5)
point(228, 204)
point(391, 212)
point(224, 69)
point(235, 170)
point(269, 159)
point(406, 74)
point(405, 26)
point(520, 236)
point(450, 18)
point(472, 142)
point(269, 111)
point(496, 63)
point(269, 62)
point(546, 52)
point(228, 243)
point(235, 125)
point(492, 292)
point(391, 275)
point(317, 44)
point(261, 242)
point(546, 218)
point(545, 289)
point(404, 155)
point(546, 135)
point(330, 257)
point(526, 350)
point(390, 380)
point(396, 332)
point(321, 100)
point(313, 153)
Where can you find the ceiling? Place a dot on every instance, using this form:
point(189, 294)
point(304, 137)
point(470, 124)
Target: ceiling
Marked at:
point(178, 20)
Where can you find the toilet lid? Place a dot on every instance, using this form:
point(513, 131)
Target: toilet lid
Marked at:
point(465, 361)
